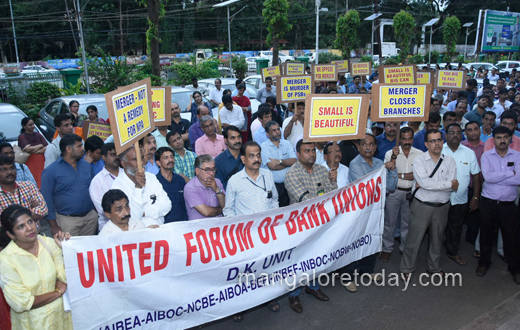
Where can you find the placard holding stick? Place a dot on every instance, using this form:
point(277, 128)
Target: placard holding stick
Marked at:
point(130, 113)
point(162, 105)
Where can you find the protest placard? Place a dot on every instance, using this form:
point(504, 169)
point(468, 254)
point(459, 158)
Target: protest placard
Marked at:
point(325, 72)
point(293, 68)
point(162, 105)
point(188, 273)
point(424, 77)
point(450, 80)
point(335, 117)
point(397, 74)
point(271, 71)
point(343, 65)
point(293, 88)
point(100, 129)
point(130, 113)
point(400, 103)
point(360, 68)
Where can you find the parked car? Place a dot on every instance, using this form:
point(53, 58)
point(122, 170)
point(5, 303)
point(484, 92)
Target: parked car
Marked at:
point(224, 58)
point(230, 84)
point(181, 96)
point(255, 81)
point(281, 56)
point(251, 63)
point(485, 65)
point(31, 69)
point(60, 105)
point(508, 66)
point(11, 123)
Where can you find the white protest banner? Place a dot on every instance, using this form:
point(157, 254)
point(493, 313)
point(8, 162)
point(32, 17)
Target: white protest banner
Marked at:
point(188, 273)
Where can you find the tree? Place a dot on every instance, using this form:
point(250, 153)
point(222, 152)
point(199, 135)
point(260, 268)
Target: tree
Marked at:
point(275, 17)
point(347, 32)
point(155, 13)
point(404, 24)
point(450, 33)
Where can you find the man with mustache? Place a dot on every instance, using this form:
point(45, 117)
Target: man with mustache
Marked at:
point(148, 200)
point(149, 144)
point(103, 181)
point(204, 194)
point(228, 163)
point(23, 173)
point(173, 184)
point(500, 167)
point(116, 208)
point(396, 201)
point(210, 143)
point(278, 156)
point(184, 159)
point(509, 119)
point(467, 168)
point(386, 141)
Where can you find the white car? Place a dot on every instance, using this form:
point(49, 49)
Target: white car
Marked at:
point(30, 69)
point(251, 63)
point(228, 83)
point(485, 65)
point(508, 66)
point(255, 81)
point(281, 56)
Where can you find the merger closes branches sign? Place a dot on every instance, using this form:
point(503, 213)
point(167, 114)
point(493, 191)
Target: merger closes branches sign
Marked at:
point(335, 117)
point(184, 274)
point(400, 102)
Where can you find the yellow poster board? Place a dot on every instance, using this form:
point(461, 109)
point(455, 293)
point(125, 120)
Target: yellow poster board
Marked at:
point(400, 102)
point(161, 105)
point(397, 74)
point(293, 68)
point(100, 129)
point(342, 65)
point(271, 71)
point(325, 72)
point(130, 113)
point(293, 88)
point(360, 69)
point(424, 77)
point(335, 117)
point(450, 80)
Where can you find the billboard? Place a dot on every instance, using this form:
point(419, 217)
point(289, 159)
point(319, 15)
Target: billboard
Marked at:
point(501, 31)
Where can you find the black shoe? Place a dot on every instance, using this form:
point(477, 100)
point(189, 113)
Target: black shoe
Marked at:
point(294, 302)
point(516, 278)
point(398, 238)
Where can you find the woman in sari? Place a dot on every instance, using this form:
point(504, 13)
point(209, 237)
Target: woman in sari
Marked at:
point(34, 143)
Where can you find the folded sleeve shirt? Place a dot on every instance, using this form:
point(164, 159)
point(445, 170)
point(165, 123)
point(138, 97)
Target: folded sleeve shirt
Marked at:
point(247, 196)
point(467, 165)
point(283, 151)
point(500, 181)
point(195, 193)
point(404, 164)
point(65, 189)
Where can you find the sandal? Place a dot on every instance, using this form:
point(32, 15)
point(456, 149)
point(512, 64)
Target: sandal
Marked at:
point(238, 317)
point(441, 273)
point(274, 306)
point(458, 259)
point(476, 254)
point(405, 276)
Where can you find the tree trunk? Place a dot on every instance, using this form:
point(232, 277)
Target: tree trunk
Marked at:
point(275, 51)
point(153, 15)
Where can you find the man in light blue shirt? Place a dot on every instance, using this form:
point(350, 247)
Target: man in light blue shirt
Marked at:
point(278, 156)
point(488, 122)
point(264, 116)
point(149, 145)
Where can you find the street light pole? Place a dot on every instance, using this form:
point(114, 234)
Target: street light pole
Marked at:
point(430, 47)
point(318, 2)
point(85, 64)
point(467, 26)
point(229, 41)
point(14, 34)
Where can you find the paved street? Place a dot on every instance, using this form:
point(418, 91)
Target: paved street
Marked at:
point(489, 302)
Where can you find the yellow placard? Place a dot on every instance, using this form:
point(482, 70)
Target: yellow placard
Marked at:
point(132, 113)
point(294, 69)
point(99, 129)
point(342, 65)
point(402, 101)
point(450, 79)
point(158, 104)
point(424, 77)
point(325, 72)
point(272, 71)
point(399, 75)
point(294, 88)
point(360, 69)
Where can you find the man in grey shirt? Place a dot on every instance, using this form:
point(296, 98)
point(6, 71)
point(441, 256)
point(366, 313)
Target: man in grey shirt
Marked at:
point(268, 90)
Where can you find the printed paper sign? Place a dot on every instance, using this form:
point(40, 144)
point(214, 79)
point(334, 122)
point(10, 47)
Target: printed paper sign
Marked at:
point(161, 105)
point(294, 88)
point(342, 65)
point(424, 77)
point(325, 72)
point(294, 68)
point(99, 129)
point(130, 112)
point(400, 103)
point(272, 71)
point(360, 68)
point(450, 80)
point(335, 117)
point(188, 273)
point(397, 74)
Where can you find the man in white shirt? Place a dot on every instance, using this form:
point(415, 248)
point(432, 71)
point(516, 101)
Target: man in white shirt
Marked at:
point(396, 201)
point(103, 181)
point(264, 116)
point(231, 114)
point(331, 162)
point(216, 94)
point(148, 200)
point(292, 127)
point(493, 76)
point(467, 167)
point(116, 208)
point(502, 104)
point(63, 124)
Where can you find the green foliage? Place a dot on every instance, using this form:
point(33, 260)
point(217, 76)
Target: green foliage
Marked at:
point(183, 72)
point(460, 59)
point(275, 15)
point(391, 61)
point(347, 28)
point(404, 24)
point(366, 58)
point(41, 92)
point(416, 59)
point(435, 56)
point(325, 58)
point(239, 67)
point(450, 34)
point(71, 89)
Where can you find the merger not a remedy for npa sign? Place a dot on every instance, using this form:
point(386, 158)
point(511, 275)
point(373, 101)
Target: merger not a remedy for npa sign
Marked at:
point(188, 273)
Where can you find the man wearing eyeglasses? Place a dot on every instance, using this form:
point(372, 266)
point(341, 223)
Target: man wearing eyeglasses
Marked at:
point(467, 168)
point(435, 178)
point(204, 195)
point(210, 143)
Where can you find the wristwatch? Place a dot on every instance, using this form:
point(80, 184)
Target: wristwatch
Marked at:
point(280, 162)
point(219, 191)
